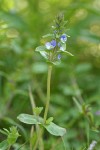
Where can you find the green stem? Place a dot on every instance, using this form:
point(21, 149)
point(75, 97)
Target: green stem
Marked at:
point(8, 148)
point(38, 139)
point(48, 93)
point(38, 142)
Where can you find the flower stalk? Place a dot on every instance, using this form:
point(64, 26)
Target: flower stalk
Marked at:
point(48, 93)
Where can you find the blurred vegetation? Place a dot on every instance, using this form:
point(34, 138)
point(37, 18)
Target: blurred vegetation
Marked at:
point(22, 24)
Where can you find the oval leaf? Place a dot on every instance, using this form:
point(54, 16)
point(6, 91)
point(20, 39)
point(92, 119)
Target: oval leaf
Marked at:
point(47, 35)
point(44, 54)
point(4, 145)
point(28, 119)
point(40, 48)
point(55, 130)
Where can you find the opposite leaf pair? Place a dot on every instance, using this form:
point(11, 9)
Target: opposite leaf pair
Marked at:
point(51, 127)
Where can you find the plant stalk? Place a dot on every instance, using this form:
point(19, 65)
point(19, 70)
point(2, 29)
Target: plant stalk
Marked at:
point(8, 148)
point(48, 93)
point(39, 140)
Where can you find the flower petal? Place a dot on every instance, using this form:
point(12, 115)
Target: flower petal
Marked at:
point(48, 45)
point(63, 38)
point(53, 43)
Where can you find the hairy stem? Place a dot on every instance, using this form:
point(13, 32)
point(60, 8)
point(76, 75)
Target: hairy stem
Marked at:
point(48, 93)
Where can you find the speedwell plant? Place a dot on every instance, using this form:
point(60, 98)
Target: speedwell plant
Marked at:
point(52, 50)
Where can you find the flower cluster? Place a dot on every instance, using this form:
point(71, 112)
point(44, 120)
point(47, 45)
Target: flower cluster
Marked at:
point(53, 43)
point(56, 44)
point(59, 45)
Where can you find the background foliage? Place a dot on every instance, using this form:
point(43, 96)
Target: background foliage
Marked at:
point(22, 24)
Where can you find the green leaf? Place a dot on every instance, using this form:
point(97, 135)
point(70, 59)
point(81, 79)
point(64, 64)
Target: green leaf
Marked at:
point(37, 110)
point(7, 131)
point(29, 119)
point(51, 128)
point(55, 130)
point(47, 35)
point(40, 48)
point(66, 52)
point(43, 51)
point(3, 132)
point(12, 135)
point(4, 145)
point(44, 54)
point(63, 49)
point(49, 120)
point(10, 121)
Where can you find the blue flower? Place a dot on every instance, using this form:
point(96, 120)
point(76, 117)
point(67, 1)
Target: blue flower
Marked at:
point(61, 46)
point(48, 45)
point(63, 38)
point(51, 45)
point(59, 56)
